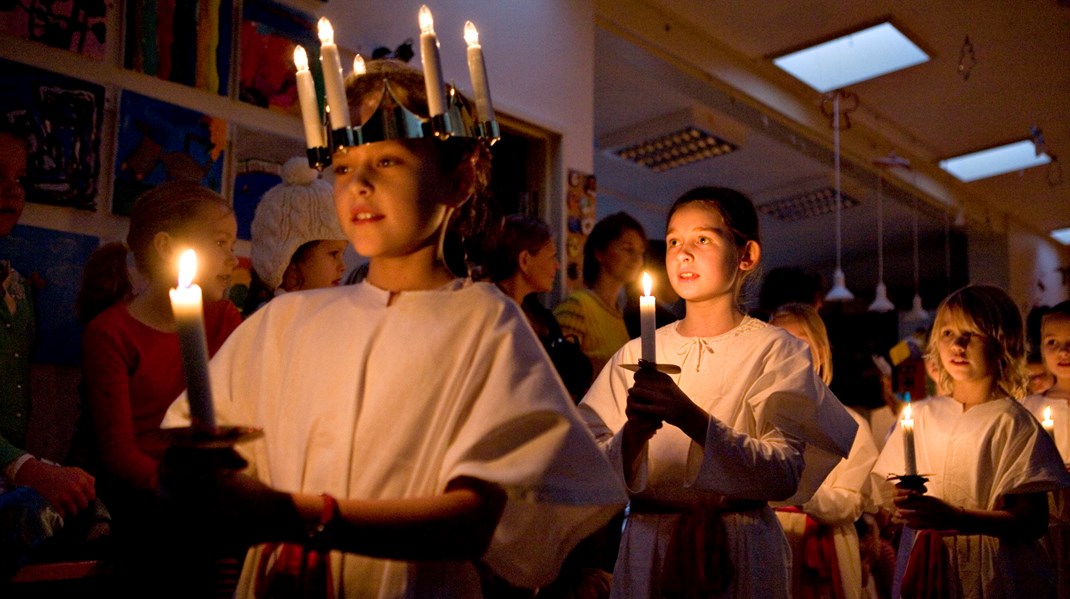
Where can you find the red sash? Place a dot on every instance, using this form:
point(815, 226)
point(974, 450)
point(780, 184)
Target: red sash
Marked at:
point(928, 568)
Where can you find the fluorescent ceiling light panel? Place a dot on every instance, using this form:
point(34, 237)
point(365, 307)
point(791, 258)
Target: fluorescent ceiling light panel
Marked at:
point(1061, 235)
point(995, 161)
point(852, 58)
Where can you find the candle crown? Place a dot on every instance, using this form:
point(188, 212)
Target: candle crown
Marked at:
point(393, 120)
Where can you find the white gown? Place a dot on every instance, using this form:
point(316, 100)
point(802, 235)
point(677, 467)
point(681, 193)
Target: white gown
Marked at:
point(973, 458)
point(364, 400)
point(837, 503)
point(1057, 540)
point(770, 409)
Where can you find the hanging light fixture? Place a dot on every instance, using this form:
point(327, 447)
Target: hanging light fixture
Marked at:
point(917, 312)
point(839, 291)
point(881, 303)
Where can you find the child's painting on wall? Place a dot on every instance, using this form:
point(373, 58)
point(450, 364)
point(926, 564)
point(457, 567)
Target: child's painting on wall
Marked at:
point(61, 118)
point(158, 142)
point(77, 25)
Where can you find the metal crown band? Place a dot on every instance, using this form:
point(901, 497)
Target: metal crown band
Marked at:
point(392, 120)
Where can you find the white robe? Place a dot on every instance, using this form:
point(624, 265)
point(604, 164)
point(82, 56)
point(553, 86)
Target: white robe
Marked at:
point(769, 411)
point(1057, 540)
point(364, 400)
point(837, 503)
point(973, 458)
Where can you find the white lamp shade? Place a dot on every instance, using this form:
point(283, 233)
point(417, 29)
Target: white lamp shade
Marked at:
point(917, 313)
point(839, 291)
point(881, 303)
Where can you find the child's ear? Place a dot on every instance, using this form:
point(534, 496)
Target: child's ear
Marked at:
point(523, 260)
point(165, 246)
point(749, 256)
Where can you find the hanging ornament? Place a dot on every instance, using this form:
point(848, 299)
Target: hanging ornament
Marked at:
point(839, 105)
point(917, 312)
point(967, 60)
point(881, 303)
point(839, 291)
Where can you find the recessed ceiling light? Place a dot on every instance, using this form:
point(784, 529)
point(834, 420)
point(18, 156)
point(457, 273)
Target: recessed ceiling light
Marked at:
point(851, 58)
point(995, 161)
point(1061, 235)
point(809, 204)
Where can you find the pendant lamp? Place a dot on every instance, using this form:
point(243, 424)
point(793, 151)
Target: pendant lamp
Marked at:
point(839, 291)
point(917, 312)
point(881, 303)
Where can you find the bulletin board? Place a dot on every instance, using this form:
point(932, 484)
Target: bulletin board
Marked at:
point(580, 214)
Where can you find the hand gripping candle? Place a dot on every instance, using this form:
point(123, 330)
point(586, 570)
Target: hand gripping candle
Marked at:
point(189, 321)
point(436, 99)
point(477, 71)
point(647, 322)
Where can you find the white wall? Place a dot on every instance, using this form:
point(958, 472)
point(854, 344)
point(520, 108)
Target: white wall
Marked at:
point(1034, 276)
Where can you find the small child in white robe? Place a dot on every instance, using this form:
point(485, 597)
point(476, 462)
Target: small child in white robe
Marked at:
point(826, 560)
point(744, 422)
point(988, 463)
point(1052, 408)
point(412, 423)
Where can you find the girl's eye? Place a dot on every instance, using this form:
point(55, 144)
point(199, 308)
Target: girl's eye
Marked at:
point(672, 243)
point(703, 240)
point(384, 162)
point(341, 169)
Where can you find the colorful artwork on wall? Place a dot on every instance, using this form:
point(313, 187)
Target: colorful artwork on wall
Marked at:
point(269, 34)
point(52, 262)
point(77, 25)
point(580, 212)
point(184, 41)
point(159, 142)
point(61, 118)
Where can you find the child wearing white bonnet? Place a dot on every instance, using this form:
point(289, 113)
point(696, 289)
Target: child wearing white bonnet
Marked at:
point(296, 240)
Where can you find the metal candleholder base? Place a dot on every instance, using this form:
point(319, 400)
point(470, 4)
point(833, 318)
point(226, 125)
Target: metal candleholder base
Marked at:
point(219, 437)
point(915, 482)
point(666, 368)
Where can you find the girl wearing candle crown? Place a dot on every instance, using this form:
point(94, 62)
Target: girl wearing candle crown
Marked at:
point(746, 421)
point(413, 415)
point(132, 368)
point(1052, 409)
point(988, 462)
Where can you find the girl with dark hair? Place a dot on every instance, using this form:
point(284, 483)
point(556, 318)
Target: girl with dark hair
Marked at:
point(612, 258)
point(745, 422)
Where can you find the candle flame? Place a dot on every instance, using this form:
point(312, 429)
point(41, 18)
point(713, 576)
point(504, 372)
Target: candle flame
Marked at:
point(908, 418)
point(187, 268)
point(1047, 413)
point(326, 32)
point(359, 68)
point(647, 284)
point(427, 23)
point(471, 34)
point(300, 58)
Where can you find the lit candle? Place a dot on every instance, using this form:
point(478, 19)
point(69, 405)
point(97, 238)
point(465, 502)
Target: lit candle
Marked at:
point(1048, 423)
point(436, 100)
point(359, 68)
point(332, 76)
point(477, 70)
point(907, 424)
point(189, 320)
point(306, 95)
point(648, 325)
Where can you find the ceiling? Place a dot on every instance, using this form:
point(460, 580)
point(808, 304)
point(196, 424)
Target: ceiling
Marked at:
point(655, 57)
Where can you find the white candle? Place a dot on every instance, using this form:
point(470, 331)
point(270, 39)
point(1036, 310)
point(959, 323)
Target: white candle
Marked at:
point(189, 320)
point(306, 95)
point(477, 70)
point(436, 100)
point(909, 457)
point(332, 76)
point(648, 325)
point(1048, 423)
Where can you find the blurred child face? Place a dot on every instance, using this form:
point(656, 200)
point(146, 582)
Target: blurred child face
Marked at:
point(321, 265)
point(12, 174)
point(966, 354)
point(1055, 347)
point(1040, 380)
point(391, 196)
point(623, 257)
point(213, 237)
point(542, 268)
point(701, 257)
